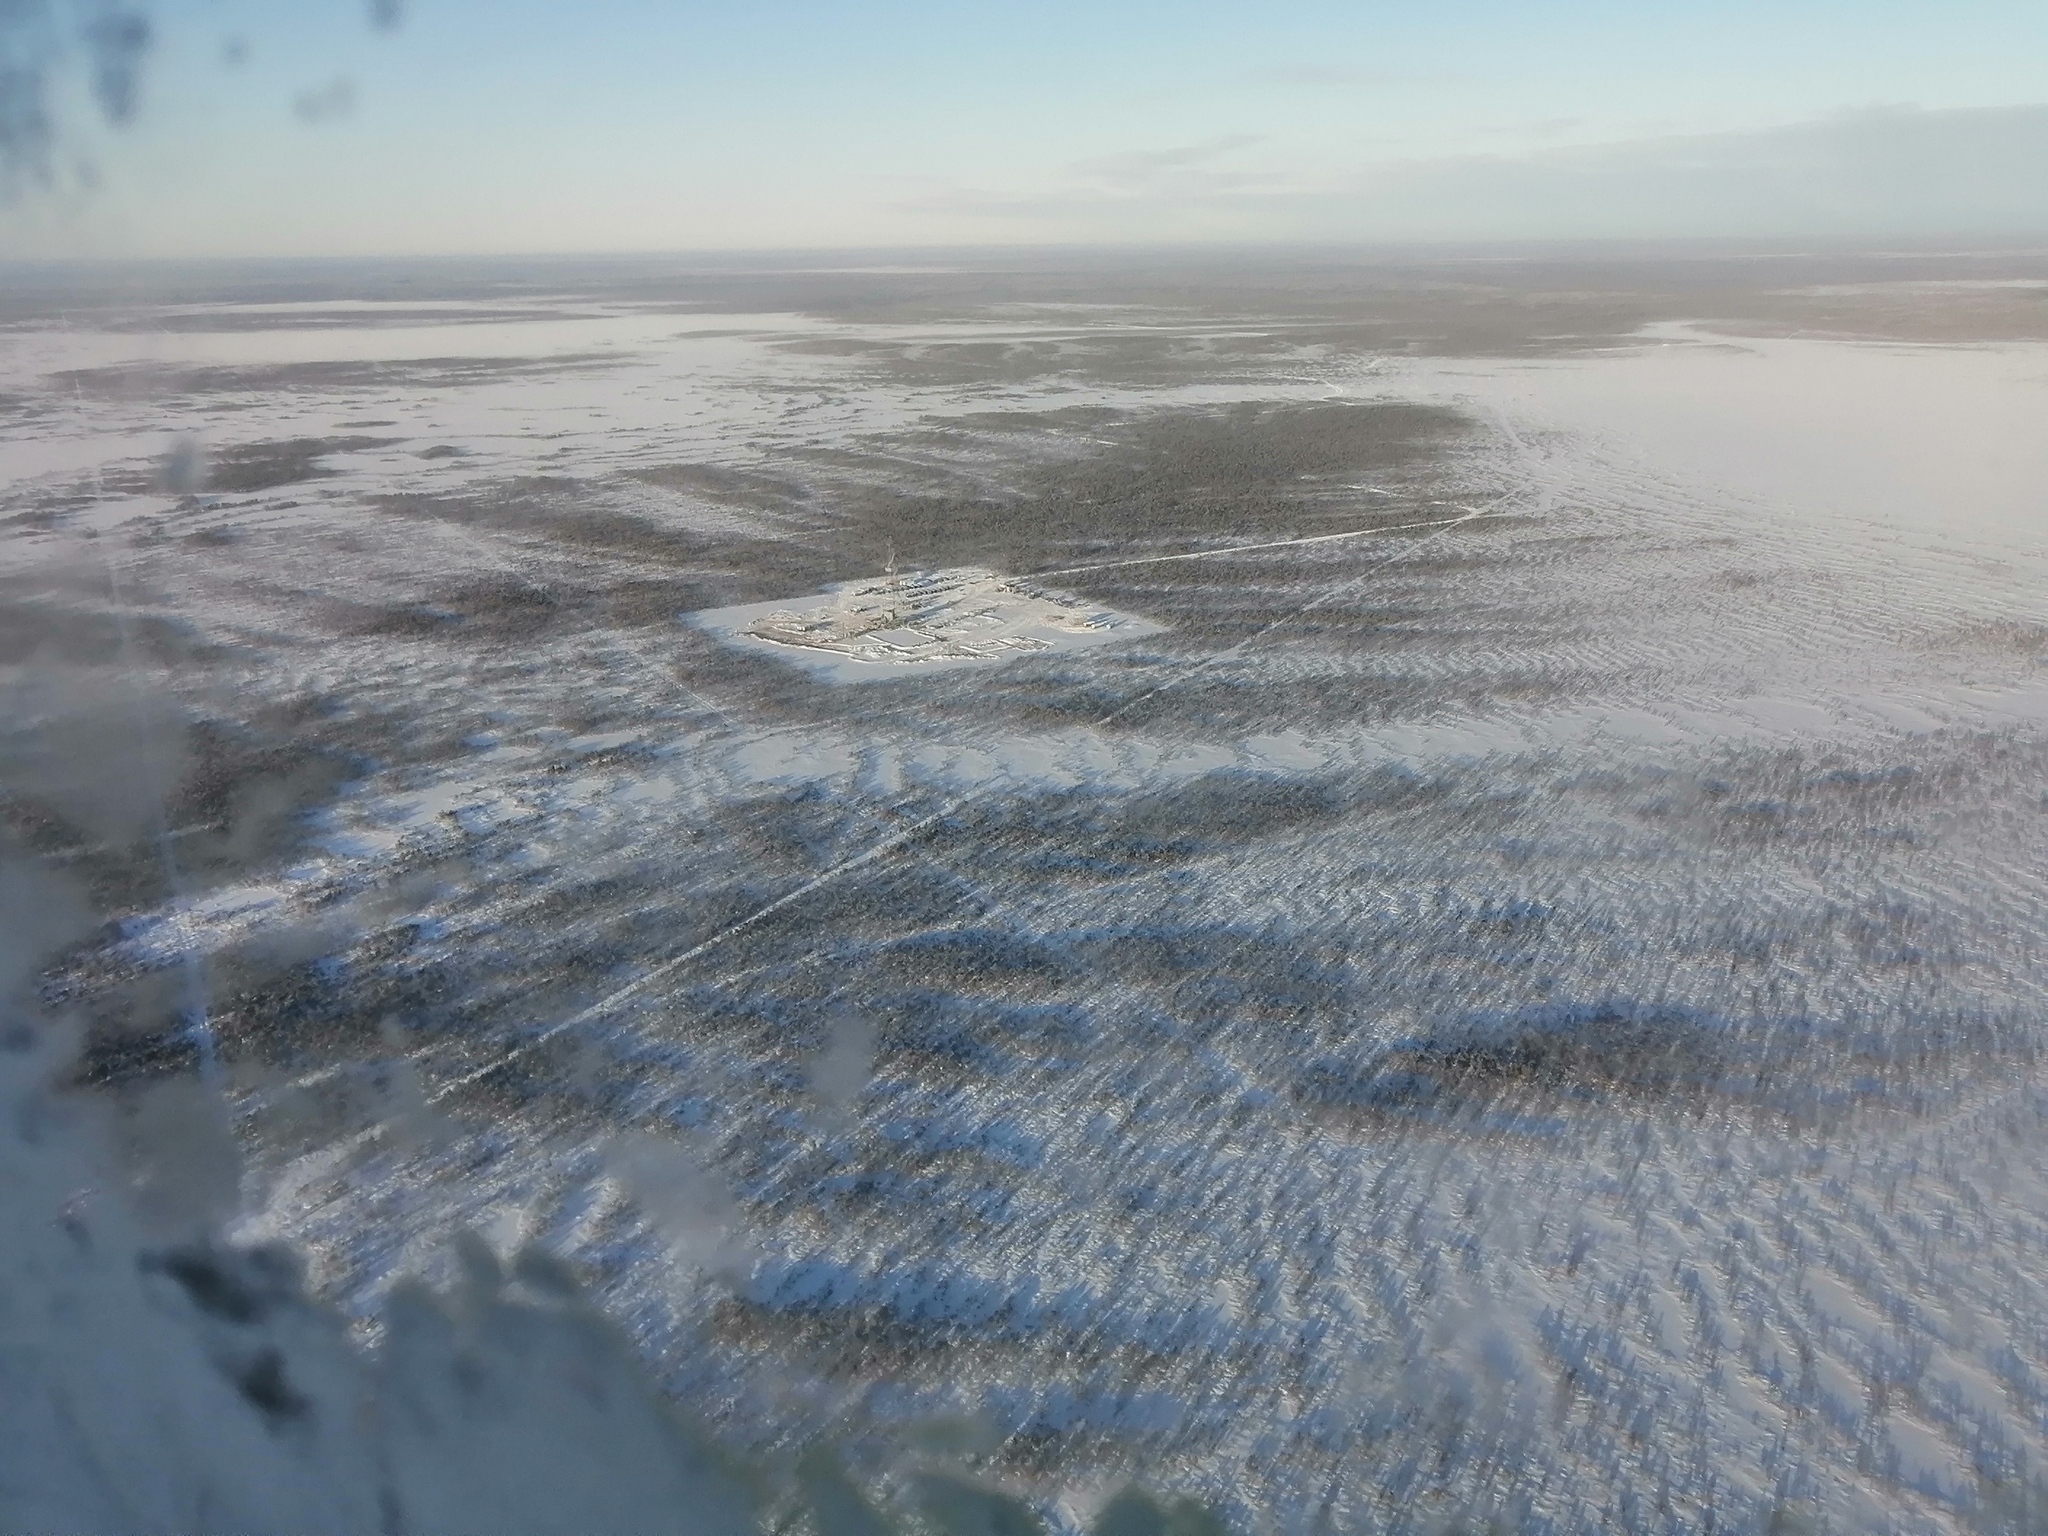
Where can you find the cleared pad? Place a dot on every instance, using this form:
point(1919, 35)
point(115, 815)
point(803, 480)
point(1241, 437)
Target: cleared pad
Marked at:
point(884, 626)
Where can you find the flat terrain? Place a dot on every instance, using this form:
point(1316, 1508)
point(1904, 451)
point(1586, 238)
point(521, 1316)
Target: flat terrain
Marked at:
point(859, 631)
point(1511, 987)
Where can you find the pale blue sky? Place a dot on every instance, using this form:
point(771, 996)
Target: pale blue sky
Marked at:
point(528, 125)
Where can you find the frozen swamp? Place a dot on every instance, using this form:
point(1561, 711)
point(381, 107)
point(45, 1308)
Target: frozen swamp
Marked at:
point(1502, 986)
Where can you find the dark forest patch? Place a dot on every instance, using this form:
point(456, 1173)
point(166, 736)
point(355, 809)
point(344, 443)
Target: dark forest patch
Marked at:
point(133, 383)
point(287, 461)
point(1167, 482)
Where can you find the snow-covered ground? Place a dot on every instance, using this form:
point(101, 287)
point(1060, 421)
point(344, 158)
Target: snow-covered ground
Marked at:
point(860, 631)
point(1517, 991)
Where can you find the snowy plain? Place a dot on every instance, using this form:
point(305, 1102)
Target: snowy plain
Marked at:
point(1530, 1012)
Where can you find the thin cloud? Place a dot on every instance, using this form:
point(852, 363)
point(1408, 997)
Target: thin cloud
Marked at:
point(1874, 172)
point(1136, 168)
point(1880, 170)
point(1330, 75)
point(1544, 128)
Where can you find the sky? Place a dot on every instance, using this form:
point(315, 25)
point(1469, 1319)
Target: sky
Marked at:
point(279, 127)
